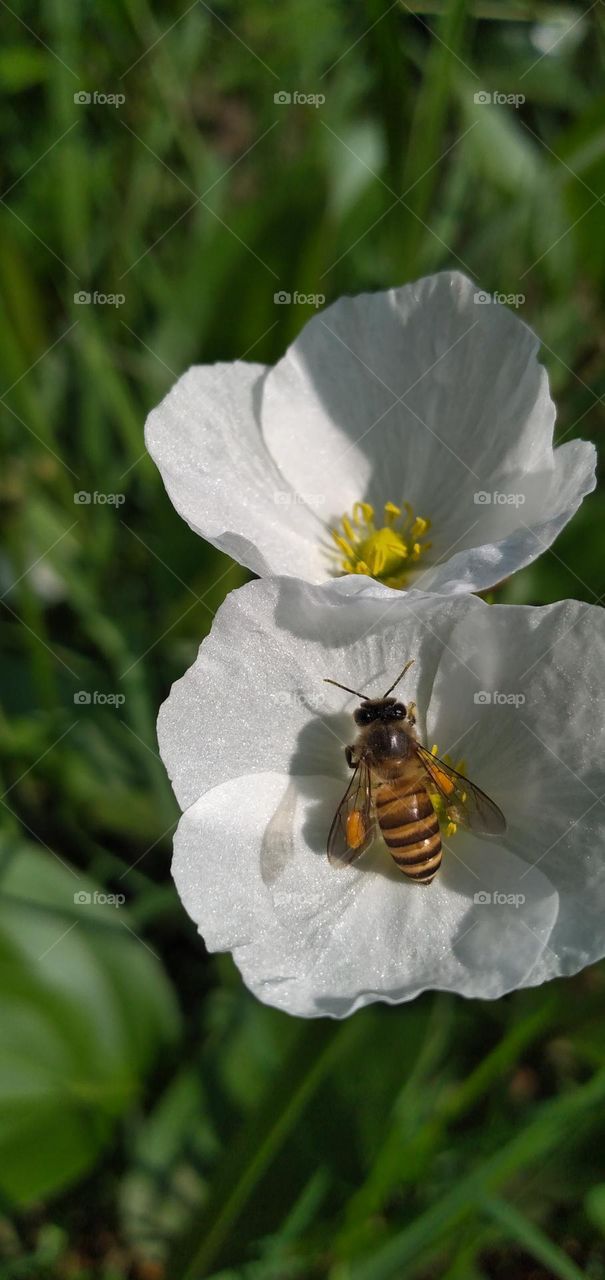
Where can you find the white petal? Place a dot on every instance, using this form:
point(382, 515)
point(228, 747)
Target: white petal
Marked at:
point(421, 394)
point(255, 697)
point(516, 691)
point(508, 536)
point(312, 940)
point(541, 753)
point(205, 439)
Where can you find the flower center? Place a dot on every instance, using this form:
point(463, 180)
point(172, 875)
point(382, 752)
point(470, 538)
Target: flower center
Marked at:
point(386, 553)
point(439, 804)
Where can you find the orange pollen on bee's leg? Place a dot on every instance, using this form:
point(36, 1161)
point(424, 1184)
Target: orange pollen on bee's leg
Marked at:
point(356, 829)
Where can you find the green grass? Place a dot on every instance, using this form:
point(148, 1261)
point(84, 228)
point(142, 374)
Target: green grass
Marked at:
point(154, 1119)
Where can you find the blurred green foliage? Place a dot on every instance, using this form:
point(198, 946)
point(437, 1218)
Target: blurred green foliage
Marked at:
point(447, 1138)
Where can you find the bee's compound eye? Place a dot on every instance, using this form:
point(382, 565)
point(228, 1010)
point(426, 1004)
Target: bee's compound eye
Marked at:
point(399, 712)
point(362, 715)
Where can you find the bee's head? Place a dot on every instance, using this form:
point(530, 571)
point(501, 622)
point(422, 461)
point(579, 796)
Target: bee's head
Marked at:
point(379, 709)
point(384, 708)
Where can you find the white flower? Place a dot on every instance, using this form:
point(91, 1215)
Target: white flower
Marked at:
point(422, 412)
point(253, 741)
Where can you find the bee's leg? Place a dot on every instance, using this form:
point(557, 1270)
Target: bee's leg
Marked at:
point(350, 757)
point(411, 715)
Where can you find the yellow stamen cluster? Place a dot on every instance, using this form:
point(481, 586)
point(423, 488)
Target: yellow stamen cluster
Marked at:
point(439, 804)
point(387, 552)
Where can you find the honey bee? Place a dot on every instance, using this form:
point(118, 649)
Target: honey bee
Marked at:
point(393, 778)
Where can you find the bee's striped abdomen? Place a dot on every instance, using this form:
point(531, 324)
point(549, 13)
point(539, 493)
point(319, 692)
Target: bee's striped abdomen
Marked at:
point(409, 826)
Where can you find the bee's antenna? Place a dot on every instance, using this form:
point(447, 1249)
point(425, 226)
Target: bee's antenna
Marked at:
point(399, 677)
point(345, 687)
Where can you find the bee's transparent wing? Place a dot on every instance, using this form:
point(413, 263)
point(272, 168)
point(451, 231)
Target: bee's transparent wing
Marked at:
point(464, 802)
point(354, 824)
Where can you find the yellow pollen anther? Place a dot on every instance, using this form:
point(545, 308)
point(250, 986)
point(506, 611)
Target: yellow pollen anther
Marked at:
point(391, 512)
point(384, 552)
point(363, 513)
point(419, 527)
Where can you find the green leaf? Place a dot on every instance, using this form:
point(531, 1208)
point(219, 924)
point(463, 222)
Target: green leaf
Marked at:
point(563, 1119)
point(532, 1239)
point(595, 1206)
point(85, 1007)
point(164, 1185)
point(21, 67)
